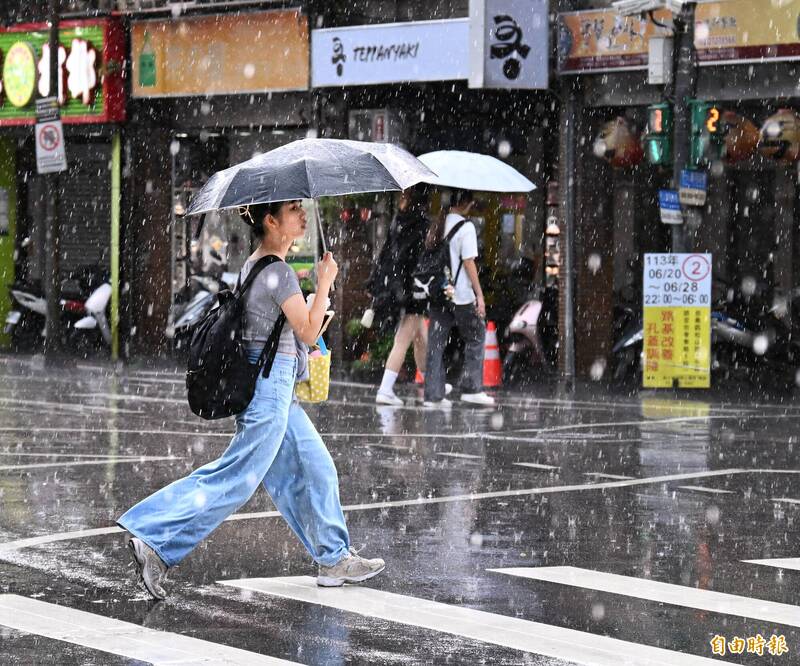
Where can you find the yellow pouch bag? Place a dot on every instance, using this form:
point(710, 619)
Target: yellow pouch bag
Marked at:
point(315, 388)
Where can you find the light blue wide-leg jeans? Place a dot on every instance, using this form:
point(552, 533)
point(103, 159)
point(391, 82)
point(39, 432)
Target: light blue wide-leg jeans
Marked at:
point(275, 444)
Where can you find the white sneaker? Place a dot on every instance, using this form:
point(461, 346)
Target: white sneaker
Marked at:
point(478, 399)
point(444, 403)
point(448, 389)
point(352, 568)
point(388, 399)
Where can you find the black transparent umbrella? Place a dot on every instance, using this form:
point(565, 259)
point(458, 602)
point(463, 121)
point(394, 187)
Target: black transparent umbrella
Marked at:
point(311, 168)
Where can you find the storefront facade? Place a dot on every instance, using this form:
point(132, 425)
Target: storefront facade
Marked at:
point(749, 72)
point(433, 85)
point(207, 92)
point(92, 100)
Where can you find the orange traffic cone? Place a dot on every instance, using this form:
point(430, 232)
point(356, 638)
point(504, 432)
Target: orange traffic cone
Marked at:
point(492, 368)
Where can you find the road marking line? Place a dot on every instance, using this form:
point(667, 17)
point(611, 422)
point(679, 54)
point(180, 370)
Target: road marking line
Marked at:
point(601, 475)
point(68, 406)
point(706, 489)
point(535, 637)
point(420, 501)
point(536, 465)
point(83, 463)
point(469, 456)
point(792, 563)
point(122, 431)
point(390, 447)
point(665, 593)
point(611, 424)
point(787, 500)
point(131, 397)
point(117, 637)
point(94, 456)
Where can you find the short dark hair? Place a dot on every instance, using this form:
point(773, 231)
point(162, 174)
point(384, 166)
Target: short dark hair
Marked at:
point(254, 215)
point(461, 197)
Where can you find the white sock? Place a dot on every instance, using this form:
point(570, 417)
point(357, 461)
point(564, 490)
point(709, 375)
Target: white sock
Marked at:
point(387, 383)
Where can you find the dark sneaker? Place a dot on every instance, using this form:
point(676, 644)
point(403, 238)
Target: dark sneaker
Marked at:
point(352, 568)
point(149, 566)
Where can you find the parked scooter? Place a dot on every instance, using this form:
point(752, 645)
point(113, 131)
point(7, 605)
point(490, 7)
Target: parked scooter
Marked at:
point(185, 315)
point(26, 322)
point(748, 341)
point(533, 333)
point(93, 331)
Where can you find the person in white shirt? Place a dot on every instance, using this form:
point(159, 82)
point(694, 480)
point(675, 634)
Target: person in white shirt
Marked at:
point(467, 310)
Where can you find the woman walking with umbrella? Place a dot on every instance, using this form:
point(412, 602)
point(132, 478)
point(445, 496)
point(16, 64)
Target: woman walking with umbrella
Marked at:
point(390, 286)
point(276, 445)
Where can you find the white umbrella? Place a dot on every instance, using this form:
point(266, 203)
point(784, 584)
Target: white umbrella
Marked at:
point(473, 171)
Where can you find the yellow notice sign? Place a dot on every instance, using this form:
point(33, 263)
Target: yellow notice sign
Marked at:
point(677, 343)
point(677, 321)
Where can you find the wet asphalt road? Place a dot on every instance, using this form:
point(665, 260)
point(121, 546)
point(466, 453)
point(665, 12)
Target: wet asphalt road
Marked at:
point(651, 488)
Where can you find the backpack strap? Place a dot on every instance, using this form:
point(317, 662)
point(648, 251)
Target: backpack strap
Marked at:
point(271, 347)
point(447, 240)
point(260, 265)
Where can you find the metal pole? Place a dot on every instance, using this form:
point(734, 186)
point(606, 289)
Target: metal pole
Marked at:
point(685, 87)
point(51, 250)
point(116, 175)
point(568, 248)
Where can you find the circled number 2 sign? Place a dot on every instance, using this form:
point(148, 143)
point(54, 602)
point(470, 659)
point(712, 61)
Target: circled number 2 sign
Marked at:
point(50, 154)
point(677, 280)
point(696, 267)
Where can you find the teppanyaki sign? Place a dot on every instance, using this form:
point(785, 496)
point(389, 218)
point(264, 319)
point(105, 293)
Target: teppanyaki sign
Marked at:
point(390, 53)
point(91, 63)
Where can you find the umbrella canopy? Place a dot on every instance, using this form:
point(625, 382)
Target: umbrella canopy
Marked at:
point(473, 171)
point(311, 168)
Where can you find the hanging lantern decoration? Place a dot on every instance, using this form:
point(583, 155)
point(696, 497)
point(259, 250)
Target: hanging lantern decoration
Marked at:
point(741, 137)
point(618, 144)
point(779, 138)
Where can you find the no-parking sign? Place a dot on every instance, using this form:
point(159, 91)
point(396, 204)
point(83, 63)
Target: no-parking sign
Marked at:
point(49, 135)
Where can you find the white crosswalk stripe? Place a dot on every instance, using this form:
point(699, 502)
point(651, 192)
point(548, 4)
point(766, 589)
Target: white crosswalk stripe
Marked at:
point(792, 563)
point(667, 593)
point(557, 642)
point(117, 637)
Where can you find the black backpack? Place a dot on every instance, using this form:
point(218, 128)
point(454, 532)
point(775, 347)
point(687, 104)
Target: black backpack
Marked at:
point(220, 379)
point(432, 274)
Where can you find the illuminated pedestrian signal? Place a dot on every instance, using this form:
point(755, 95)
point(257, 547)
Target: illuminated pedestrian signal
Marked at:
point(713, 120)
point(708, 133)
point(657, 121)
point(658, 140)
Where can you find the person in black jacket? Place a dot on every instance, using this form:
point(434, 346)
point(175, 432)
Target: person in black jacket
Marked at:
point(390, 286)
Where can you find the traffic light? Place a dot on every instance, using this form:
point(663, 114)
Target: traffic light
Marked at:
point(658, 140)
point(709, 130)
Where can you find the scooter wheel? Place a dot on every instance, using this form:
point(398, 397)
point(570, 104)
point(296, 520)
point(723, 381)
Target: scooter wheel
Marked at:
point(510, 368)
point(26, 336)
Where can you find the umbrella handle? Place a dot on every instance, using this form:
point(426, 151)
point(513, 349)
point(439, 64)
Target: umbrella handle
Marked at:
point(318, 221)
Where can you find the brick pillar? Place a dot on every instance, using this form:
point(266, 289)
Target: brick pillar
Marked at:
point(147, 239)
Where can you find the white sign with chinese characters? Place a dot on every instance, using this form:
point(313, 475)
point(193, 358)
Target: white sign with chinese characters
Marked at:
point(510, 44)
point(390, 53)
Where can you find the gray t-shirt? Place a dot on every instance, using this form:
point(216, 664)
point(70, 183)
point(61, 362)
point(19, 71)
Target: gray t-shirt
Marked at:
point(263, 301)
